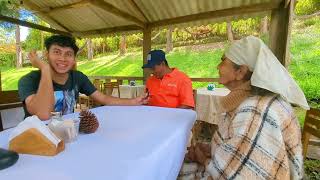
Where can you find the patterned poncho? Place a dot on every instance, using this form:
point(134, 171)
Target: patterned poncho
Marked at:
point(260, 139)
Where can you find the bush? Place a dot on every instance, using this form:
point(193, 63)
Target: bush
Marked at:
point(312, 169)
point(304, 7)
point(7, 59)
point(310, 22)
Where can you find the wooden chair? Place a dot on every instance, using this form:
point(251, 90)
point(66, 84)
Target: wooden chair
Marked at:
point(83, 99)
point(98, 84)
point(108, 88)
point(311, 127)
point(8, 101)
point(116, 85)
point(120, 82)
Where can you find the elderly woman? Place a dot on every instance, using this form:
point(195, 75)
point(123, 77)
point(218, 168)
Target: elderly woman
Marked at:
point(259, 135)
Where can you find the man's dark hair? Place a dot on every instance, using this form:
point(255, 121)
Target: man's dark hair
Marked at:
point(63, 41)
point(165, 63)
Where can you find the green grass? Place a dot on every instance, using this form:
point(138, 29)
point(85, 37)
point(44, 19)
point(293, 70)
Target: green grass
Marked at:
point(195, 64)
point(10, 77)
point(305, 61)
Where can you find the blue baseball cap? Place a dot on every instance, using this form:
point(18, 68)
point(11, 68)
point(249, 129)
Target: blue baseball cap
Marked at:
point(154, 57)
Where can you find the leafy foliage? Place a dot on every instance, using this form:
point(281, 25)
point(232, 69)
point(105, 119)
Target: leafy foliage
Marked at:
point(312, 169)
point(304, 7)
point(33, 40)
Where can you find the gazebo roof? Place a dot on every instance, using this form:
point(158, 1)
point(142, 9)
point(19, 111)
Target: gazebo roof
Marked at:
point(98, 17)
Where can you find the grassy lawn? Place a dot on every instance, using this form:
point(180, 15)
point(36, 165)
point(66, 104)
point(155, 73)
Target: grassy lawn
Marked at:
point(305, 63)
point(195, 64)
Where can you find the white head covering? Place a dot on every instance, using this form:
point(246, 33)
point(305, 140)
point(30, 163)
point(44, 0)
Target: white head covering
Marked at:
point(268, 72)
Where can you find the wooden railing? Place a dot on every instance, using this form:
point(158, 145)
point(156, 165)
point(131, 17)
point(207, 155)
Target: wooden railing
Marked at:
point(12, 95)
point(121, 78)
point(130, 78)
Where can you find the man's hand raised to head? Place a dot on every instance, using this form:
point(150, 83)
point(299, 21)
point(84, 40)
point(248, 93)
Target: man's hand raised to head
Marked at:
point(36, 61)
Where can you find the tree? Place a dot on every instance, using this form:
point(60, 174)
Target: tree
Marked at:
point(229, 31)
point(12, 8)
point(264, 26)
point(169, 44)
point(123, 45)
point(89, 49)
point(35, 38)
point(18, 48)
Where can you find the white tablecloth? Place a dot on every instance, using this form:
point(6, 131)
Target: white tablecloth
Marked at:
point(127, 91)
point(208, 103)
point(131, 143)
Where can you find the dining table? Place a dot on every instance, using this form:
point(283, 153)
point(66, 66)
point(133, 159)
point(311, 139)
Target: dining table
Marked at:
point(131, 143)
point(129, 91)
point(208, 104)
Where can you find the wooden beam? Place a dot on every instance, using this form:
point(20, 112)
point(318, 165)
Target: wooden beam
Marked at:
point(217, 14)
point(79, 4)
point(138, 10)
point(0, 83)
point(280, 32)
point(36, 9)
point(10, 105)
point(107, 31)
point(117, 12)
point(146, 50)
point(9, 97)
point(142, 78)
point(32, 25)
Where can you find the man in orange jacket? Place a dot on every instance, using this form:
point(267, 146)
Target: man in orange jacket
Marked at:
point(168, 87)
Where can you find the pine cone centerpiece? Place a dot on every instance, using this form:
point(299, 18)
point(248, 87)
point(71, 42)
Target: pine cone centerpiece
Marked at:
point(88, 122)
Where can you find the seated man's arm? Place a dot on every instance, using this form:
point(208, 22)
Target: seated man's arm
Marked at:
point(101, 98)
point(186, 95)
point(41, 103)
point(88, 88)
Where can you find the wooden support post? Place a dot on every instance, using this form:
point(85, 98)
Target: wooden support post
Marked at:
point(280, 31)
point(146, 50)
point(0, 82)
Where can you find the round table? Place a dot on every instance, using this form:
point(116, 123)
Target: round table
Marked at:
point(208, 104)
point(127, 91)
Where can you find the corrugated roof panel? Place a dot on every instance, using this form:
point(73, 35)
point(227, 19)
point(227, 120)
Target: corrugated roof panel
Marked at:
point(126, 6)
point(79, 19)
point(157, 10)
point(89, 17)
point(112, 19)
point(218, 20)
point(53, 3)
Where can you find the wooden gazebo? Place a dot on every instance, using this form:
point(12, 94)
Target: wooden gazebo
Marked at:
point(83, 18)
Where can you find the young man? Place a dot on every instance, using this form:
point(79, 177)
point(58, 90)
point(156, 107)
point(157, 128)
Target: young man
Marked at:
point(168, 87)
point(55, 86)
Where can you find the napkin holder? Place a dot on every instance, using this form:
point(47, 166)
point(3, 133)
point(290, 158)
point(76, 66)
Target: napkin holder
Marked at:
point(34, 142)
